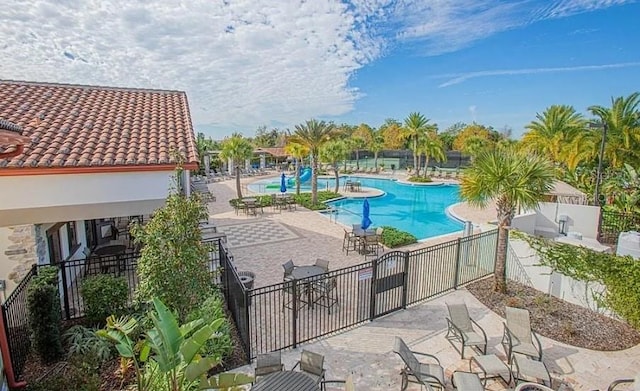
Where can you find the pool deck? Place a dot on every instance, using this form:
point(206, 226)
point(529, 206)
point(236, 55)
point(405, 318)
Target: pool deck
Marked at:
point(264, 242)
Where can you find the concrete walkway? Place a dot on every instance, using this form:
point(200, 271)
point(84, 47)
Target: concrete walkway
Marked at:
point(366, 351)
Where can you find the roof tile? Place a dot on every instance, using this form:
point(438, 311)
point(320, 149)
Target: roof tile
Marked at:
point(73, 125)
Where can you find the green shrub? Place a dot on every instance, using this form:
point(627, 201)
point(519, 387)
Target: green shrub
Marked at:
point(221, 345)
point(104, 295)
point(77, 375)
point(392, 237)
point(304, 199)
point(419, 179)
point(43, 304)
point(82, 341)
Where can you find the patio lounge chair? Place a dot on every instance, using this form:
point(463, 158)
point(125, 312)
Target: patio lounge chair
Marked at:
point(414, 371)
point(267, 364)
point(311, 364)
point(460, 328)
point(518, 336)
point(348, 384)
point(616, 383)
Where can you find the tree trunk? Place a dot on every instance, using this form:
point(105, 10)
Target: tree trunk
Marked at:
point(375, 160)
point(238, 188)
point(314, 178)
point(426, 165)
point(335, 172)
point(499, 277)
point(415, 155)
point(297, 176)
point(357, 160)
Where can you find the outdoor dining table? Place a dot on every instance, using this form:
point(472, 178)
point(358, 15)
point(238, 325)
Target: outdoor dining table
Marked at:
point(302, 272)
point(362, 234)
point(287, 381)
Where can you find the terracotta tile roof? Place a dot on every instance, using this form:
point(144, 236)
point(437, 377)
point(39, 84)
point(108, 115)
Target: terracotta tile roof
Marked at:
point(89, 126)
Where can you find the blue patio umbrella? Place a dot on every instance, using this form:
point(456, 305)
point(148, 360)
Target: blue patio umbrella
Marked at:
point(366, 221)
point(283, 183)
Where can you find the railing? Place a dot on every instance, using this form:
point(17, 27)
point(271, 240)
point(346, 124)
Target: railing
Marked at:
point(515, 270)
point(612, 223)
point(357, 293)
point(16, 315)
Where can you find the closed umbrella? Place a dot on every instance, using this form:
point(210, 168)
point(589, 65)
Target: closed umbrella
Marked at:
point(366, 221)
point(283, 183)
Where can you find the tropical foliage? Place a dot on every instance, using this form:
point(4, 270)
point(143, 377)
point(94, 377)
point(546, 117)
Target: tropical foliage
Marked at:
point(332, 153)
point(238, 149)
point(512, 180)
point(313, 134)
point(298, 152)
point(415, 128)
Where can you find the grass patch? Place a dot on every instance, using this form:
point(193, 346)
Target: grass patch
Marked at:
point(393, 237)
point(420, 179)
point(304, 199)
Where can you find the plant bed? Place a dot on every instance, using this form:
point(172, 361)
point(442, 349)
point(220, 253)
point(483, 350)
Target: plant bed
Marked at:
point(557, 319)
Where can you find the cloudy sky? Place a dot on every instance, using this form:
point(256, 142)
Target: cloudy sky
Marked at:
point(246, 63)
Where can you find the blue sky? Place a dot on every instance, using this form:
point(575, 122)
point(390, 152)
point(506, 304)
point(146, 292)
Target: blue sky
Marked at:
point(247, 63)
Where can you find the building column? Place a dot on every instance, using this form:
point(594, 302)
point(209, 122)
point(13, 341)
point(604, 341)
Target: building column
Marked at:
point(207, 164)
point(263, 162)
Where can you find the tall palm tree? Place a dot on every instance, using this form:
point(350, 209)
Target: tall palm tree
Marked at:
point(333, 152)
point(431, 147)
point(553, 130)
point(623, 122)
point(415, 126)
point(299, 152)
point(513, 180)
point(238, 149)
point(376, 145)
point(313, 134)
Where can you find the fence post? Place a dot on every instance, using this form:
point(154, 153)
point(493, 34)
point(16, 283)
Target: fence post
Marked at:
point(372, 301)
point(65, 293)
point(405, 279)
point(247, 300)
point(457, 270)
point(294, 321)
point(13, 383)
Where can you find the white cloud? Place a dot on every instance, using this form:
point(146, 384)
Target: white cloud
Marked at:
point(461, 77)
point(245, 63)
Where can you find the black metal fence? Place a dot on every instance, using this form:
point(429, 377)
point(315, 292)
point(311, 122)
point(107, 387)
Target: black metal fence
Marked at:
point(16, 317)
point(286, 314)
point(612, 223)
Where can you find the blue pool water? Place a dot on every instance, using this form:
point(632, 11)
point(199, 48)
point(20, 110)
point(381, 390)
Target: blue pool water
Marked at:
point(419, 210)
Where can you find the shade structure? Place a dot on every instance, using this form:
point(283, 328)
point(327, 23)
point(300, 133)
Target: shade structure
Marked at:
point(366, 221)
point(283, 183)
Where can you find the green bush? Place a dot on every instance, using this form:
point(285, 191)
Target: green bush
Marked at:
point(83, 342)
point(304, 199)
point(392, 237)
point(620, 275)
point(104, 295)
point(43, 305)
point(420, 179)
point(221, 345)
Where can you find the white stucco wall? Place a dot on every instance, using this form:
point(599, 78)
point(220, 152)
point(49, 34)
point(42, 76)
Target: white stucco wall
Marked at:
point(525, 222)
point(582, 218)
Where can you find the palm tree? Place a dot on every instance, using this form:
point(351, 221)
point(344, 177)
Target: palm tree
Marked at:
point(623, 122)
point(376, 145)
point(313, 134)
point(333, 152)
point(299, 152)
point(415, 126)
point(432, 147)
point(238, 149)
point(553, 130)
point(513, 180)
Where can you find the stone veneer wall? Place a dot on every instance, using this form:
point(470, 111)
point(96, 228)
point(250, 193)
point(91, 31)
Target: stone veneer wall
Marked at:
point(18, 253)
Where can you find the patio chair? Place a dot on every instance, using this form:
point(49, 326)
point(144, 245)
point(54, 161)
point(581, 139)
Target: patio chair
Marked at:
point(460, 328)
point(518, 336)
point(370, 246)
point(427, 374)
point(311, 364)
point(288, 268)
point(326, 293)
point(267, 364)
point(349, 242)
point(616, 383)
point(323, 263)
point(348, 384)
point(294, 295)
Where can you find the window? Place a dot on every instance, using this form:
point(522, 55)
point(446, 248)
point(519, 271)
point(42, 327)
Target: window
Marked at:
point(55, 243)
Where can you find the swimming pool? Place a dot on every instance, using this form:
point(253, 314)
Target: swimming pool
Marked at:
point(419, 210)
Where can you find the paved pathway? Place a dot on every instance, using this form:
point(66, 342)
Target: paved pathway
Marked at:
point(366, 351)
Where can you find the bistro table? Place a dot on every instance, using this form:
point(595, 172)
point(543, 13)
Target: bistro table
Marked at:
point(111, 249)
point(287, 381)
point(362, 234)
point(302, 272)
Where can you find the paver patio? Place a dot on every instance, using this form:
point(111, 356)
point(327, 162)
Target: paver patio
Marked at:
point(366, 351)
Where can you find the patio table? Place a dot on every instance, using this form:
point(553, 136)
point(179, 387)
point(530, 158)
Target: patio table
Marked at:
point(287, 381)
point(302, 272)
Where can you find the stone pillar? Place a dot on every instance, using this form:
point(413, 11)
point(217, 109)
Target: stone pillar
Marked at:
point(19, 253)
point(207, 164)
point(263, 162)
